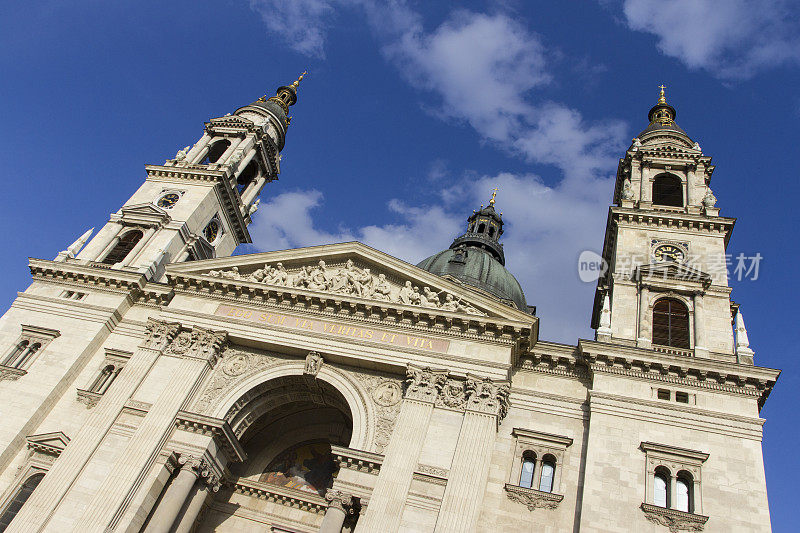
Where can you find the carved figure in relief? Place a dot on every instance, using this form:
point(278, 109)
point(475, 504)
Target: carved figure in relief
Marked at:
point(709, 200)
point(303, 278)
point(415, 297)
point(364, 283)
point(233, 273)
point(627, 189)
point(181, 155)
point(450, 303)
point(429, 298)
point(406, 293)
point(278, 276)
point(382, 289)
point(319, 278)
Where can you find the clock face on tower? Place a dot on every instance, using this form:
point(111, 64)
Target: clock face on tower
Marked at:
point(211, 232)
point(168, 200)
point(669, 252)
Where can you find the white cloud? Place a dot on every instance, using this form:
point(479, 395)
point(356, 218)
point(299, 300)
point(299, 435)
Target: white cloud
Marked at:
point(300, 22)
point(482, 70)
point(733, 39)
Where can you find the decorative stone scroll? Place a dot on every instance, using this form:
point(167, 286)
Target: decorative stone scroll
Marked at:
point(532, 498)
point(350, 280)
point(339, 500)
point(673, 519)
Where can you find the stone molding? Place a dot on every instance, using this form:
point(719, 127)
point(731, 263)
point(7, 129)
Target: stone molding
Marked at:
point(48, 444)
point(531, 498)
point(357, 460)
point(305, 501)
point(216, 428)
point(673, 519)
point(433, 471)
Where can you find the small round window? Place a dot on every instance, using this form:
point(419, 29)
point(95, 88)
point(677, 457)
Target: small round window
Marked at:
point(168, 200)
point(211, 233)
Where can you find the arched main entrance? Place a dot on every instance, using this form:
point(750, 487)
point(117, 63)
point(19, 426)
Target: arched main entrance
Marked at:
point(287, 426)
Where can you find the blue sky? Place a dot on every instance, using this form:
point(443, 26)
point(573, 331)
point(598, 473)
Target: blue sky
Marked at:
point(411, 113)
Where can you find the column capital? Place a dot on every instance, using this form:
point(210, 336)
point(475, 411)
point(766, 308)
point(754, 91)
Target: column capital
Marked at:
point(487, 396)
point(159, 333)
point(198, 343)
point(424, 384)
point(340, 500)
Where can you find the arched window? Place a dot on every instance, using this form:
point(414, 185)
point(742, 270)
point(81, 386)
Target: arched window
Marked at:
point(472, 228)
point(683, 488)
point(123, 247)
point(16, 353)
point(491, 231)
point(246, 176)
point(27, 355)
point(548, 473)
point(661, 487)
point(481, 228)
point(528, 464)
point(104, 380)
point(668, 190)
point(19, 500)
point(671, 323)
point(215, 152)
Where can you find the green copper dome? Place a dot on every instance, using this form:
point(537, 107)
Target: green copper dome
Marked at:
point(477, 259)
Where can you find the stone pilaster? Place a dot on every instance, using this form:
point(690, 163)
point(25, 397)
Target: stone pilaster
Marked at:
point(199, 349)
point(486, 405)
point(43, 503)
point(340, 504)
point(402, 453)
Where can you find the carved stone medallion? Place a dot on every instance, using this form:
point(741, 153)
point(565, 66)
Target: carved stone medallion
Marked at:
point(235, 364)
point(387, 394)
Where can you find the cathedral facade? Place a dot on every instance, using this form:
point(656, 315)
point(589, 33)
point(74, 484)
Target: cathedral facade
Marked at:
point(150, 381)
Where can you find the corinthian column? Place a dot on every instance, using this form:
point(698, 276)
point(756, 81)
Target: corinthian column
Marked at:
point(198, 351)
point(486, 405)
point(43, 503)
point(400, 459)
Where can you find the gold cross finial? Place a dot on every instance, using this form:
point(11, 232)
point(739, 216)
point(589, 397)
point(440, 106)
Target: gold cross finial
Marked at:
point(494, 193)
point(296, 83)
point(661, 98)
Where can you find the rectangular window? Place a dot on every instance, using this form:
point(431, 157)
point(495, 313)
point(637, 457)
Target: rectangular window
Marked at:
point(663, 394)
point(682, 397)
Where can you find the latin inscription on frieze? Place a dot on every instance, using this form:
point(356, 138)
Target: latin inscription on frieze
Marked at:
point(334, 328)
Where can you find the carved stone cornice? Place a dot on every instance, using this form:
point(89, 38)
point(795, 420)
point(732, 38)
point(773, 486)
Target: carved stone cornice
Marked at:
point(532, 498)
point(159, 334)
point(305, 501)
point(697, 372)
point(673, 519)
point(487, 396)
point(217, 428)
point(424, 384)
point(672, 219)
point(358, 460)
point(339, 500)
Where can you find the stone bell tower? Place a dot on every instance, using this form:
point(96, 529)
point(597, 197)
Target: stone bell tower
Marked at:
point(666, 286)
point(199, 204)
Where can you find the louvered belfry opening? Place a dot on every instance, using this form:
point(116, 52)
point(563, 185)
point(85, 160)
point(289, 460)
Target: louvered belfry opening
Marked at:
point(671, 323)
point(123, 247)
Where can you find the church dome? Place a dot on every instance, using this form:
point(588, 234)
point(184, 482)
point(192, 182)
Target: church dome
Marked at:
point(477, 259)
point(662, 120)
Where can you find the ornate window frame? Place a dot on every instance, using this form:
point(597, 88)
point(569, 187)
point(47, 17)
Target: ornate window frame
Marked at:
point(116, 359)
point(674, 460)
point(529, 442)
point(44, 449)
point(15, 362)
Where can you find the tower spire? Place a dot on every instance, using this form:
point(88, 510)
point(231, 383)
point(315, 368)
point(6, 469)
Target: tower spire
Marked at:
point(661, 98)
point(494, 193)
point(286, 95)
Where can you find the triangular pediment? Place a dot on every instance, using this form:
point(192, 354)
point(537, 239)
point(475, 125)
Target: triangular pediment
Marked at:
point(673, 271)
point(50, 443)
point(350, 271)
point(232, 121)
point(145, 212)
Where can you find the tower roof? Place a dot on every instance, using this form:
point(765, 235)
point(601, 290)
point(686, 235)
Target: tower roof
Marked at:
point(285, 97)
point(476, 258)
point(662, 117)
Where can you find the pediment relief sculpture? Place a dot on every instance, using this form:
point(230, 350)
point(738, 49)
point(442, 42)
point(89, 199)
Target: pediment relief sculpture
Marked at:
point(350, 280)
